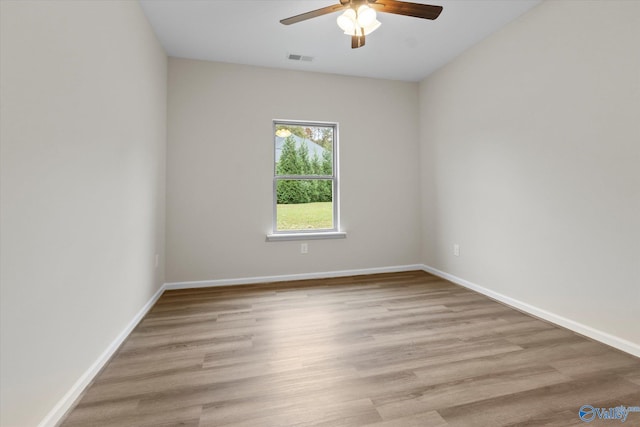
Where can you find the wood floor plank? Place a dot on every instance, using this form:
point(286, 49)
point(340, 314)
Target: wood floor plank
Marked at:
point(387, 350)
point(430, 419)
point(560, 401)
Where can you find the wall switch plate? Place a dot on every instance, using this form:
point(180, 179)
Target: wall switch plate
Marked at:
point(157, 260)
point(456, 249)
point(304, 248)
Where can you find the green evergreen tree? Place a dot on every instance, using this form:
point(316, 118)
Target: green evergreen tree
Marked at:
point(290, 191)
point(327, 162)
point(303, 159)
point(294, 160)
point(305, 169)
point(315, 169)
point(325, 190)
point(288, 163)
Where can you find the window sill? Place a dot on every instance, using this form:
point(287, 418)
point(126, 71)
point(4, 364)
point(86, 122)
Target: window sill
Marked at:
point(280, 237)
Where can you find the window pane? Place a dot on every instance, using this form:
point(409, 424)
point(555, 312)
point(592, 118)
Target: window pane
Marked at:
point(304, 204)
point(304, 150)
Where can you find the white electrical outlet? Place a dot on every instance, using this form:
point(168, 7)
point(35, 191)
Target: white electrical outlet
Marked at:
point(304, 248)
point(456, 249)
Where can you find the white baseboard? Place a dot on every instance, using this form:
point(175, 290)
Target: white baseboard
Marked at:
point(67, 401)
point(603, 337)
point(290, 277)
point(55, 415)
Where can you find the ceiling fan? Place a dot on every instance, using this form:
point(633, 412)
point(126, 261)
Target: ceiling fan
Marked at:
point(359, 17)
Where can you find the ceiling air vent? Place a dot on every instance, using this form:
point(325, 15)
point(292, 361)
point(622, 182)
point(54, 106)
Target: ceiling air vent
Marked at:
point(294, 57)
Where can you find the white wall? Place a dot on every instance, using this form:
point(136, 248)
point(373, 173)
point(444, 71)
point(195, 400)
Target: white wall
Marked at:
point(82, 184)
point(530, 154)
point(220, 166)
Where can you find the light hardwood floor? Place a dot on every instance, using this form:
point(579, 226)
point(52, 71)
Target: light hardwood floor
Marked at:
point(405, 349)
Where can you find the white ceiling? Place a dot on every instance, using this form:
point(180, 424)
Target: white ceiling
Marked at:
point(249, 32)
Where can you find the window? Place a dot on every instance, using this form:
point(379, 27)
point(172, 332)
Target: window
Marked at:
point(305, 181)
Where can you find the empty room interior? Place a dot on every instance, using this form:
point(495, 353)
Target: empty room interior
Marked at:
point(319, 213)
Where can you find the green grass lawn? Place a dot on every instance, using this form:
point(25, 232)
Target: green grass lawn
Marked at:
point(305, 216)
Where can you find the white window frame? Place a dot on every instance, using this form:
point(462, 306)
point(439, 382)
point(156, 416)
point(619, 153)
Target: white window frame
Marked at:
point(328, 233)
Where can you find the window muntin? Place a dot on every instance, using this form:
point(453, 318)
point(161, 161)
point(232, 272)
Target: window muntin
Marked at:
point(305, 182)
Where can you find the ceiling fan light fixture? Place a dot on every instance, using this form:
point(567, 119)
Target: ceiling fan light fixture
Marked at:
point(366, 16)
point(347, 21)
point(371, 28)
point(359, 23)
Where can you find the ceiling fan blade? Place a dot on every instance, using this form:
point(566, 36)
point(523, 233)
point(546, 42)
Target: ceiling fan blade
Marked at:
point(312, 14)
point(425, 11)
point(357, 41)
